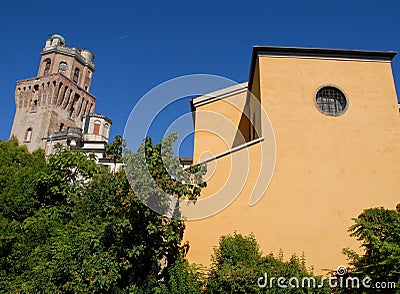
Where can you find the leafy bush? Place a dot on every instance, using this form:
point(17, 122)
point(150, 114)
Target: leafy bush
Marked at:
point(378, 229)
point(239, 267)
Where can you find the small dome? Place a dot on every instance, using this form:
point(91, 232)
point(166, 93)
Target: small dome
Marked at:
point(87, 54)
point(56, 36)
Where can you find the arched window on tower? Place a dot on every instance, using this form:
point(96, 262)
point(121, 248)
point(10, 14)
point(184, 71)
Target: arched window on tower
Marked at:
point(28, 135)
point(47, 64)
point(76, 75)
point(106, 130)
point(62, 69)
point(96, 128)
point(34, 106)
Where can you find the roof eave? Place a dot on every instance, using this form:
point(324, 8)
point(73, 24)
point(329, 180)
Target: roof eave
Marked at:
point(218, 94)
point(317, 53)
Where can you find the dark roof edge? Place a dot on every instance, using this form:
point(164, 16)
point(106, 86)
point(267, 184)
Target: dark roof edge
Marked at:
point(316, 52)
point(98, 115)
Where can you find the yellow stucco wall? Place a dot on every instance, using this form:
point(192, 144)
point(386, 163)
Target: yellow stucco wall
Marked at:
point(217, 125)
point(328, 169)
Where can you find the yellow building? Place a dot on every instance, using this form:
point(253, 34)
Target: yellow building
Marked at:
point(329, 149)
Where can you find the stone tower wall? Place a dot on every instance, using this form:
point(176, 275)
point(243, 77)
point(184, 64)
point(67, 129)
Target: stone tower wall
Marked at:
point(48, 104)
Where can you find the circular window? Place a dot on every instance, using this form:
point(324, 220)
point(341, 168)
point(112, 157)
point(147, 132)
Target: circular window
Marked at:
point(331, 101)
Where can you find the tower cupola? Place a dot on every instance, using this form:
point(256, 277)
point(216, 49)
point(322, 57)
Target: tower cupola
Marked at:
point(55, 40)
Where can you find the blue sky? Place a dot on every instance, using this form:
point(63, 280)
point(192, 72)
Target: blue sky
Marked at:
point(138, 45)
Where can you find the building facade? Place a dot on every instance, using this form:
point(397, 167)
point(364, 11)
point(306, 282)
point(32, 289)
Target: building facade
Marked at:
point(327, 149)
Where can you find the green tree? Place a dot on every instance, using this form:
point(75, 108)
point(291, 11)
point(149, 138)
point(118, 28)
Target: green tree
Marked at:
point(238, 266)
point(70, 226)
point(19, 169)
point(115, 149)
point(378, 229)
point(184, 278)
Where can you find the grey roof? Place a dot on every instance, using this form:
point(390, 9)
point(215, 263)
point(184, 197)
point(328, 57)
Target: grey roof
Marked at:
point(101, 116)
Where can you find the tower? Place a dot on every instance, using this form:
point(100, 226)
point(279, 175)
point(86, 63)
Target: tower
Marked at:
point(58, 98)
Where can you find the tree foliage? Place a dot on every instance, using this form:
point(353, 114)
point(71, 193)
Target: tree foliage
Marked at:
point(238, 264)
point(114, 150)
point(167, 179)
point(68, 225)
point(378, 229)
